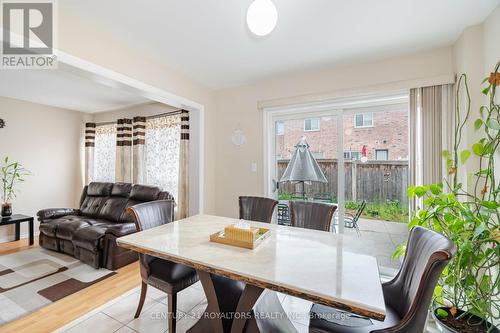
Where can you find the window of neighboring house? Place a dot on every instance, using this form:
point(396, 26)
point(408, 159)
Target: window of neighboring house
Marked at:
point(381, 154)
point(318, 154)
point(352, 155)
point(363, 120)
point(104, 153)
point(311, 124)
point(162, 152)
point(280, 128)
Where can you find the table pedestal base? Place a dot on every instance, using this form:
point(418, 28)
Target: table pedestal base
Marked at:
point(231, 308)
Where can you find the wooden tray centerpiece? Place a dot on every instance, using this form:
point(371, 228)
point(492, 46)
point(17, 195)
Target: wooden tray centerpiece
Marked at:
point(241, 234)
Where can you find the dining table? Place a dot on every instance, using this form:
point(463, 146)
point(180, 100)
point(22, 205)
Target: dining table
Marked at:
point(318, 266)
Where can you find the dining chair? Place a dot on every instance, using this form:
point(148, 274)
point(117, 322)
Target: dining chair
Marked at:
point(407, 296)
point(165, 275)
point(311, 215)
point(257, 208)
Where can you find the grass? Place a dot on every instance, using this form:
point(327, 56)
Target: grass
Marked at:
point(389, 210)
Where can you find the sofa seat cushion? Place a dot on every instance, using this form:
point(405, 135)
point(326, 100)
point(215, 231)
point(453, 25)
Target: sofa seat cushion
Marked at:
point(92, 237)
point(66, 229)
point(49, 227)
point(176, 275)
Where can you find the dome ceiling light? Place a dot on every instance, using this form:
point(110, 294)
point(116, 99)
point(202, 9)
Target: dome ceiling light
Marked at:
point(262, 17)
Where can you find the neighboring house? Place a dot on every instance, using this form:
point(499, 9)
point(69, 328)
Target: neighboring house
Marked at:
point(384, 135)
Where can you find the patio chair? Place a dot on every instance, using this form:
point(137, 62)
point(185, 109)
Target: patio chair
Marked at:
point(311, 215)
point(257, 209)
point(351, 221)
point(407, 296)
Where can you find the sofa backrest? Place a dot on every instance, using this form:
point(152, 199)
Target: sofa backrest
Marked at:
point(110, 201)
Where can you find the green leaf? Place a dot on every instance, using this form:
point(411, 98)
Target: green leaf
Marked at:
point(436, 189)
point(478, 123)
point(410, 191)
point(464, 156)
point(486, 90)
point(420, 191)
point(478, 149)
point(441, 313)
point(446, 154)
point(493, 124)
point(479, 230)
point(490, 204)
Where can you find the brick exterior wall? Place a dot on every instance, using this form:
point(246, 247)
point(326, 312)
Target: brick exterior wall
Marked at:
point(389, 131)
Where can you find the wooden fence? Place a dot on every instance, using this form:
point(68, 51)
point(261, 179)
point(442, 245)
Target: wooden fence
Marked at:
point(374, 181)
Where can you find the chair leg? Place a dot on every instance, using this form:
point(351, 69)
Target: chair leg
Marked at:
point(357, 229)
point(144, 289)
point(172, 312)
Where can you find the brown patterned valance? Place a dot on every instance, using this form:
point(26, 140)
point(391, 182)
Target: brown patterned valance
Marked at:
point(184, 125)
point(139, 127)
point(124, 132)
point(90, 134)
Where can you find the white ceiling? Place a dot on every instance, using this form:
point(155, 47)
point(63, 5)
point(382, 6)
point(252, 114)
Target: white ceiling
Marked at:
point(65, 90)
point(208, 39)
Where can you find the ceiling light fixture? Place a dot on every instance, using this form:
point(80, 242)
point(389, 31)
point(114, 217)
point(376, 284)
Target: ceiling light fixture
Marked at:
point(262, 17)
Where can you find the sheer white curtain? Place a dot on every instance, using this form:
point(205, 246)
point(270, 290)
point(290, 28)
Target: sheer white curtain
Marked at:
point(104, 153)
point(162, 152)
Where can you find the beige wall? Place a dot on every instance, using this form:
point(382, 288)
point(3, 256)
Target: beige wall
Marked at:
point(238, 107)
point(476, 53)
point(47, 141)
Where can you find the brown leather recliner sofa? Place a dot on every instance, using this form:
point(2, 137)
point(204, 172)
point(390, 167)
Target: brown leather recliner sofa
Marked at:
point(90, 232)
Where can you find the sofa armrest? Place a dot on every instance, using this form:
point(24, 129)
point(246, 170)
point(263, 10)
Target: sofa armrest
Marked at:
point(121, 229)
point(53, 213)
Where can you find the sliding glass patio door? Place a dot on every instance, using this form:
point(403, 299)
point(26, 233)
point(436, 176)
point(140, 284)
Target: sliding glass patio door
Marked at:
point(362, 147)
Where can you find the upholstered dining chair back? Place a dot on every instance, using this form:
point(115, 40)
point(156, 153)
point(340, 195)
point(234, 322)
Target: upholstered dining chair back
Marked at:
point(152, 214)
point(311, 215)
point(257, 209)
point(410, 292)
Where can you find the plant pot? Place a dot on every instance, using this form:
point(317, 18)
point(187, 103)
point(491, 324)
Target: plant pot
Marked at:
point(461, 326)
point(6, 209)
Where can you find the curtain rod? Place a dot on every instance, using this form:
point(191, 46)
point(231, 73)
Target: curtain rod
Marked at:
point(170, 113)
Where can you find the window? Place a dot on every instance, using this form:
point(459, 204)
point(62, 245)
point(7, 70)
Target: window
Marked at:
point(318, 154)
point(381, 154)
point(162, 152)
point(280, 128)
point(363, 120)
point(352, 155)
point(311, 124)
point(105, 153)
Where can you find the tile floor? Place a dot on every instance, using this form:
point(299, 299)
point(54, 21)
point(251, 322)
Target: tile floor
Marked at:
point(117, 315)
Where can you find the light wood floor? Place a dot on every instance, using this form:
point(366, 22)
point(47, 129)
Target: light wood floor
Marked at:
point(59, 313)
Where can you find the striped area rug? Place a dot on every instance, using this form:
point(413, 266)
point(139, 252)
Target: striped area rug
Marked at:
point(34, 278)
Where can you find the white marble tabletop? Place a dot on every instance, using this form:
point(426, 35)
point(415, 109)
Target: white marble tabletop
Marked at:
point(314, 265)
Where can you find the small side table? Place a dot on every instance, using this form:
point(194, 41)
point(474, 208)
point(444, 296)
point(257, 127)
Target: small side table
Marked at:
point(17, 219)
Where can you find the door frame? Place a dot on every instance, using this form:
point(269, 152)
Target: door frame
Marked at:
point(336, 108)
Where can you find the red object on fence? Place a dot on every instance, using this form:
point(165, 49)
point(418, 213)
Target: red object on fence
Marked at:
point(363, 151)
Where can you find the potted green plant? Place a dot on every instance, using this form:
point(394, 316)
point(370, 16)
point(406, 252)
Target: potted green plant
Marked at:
point(11, 174)
point(467, 297)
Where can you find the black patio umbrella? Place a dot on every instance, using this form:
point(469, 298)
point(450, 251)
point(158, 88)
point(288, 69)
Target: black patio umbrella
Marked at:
point(303, 167)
